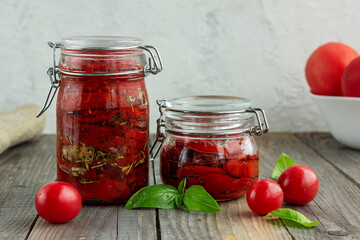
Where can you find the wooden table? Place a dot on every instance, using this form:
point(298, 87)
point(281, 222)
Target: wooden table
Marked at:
point(25, 168)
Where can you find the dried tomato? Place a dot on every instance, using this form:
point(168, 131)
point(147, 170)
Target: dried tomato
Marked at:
point(235, 186)
point(243, 168)
point(200, 146)
point(192, 170)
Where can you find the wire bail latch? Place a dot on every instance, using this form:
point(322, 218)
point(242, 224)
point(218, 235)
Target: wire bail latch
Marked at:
point(262, 123)
point(155, 64)
point(53, 73)
point(160, 131)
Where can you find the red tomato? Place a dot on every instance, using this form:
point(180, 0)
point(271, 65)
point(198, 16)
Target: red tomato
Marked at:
point(299, 183)
point(58, 202)
point(351, 79)
point(264, 196)
point(325, 67)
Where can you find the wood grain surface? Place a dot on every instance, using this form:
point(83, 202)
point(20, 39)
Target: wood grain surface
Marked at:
point(25, 168)
point(234, 220)
point(337, 204)
point(345, 159)
point(101, 222)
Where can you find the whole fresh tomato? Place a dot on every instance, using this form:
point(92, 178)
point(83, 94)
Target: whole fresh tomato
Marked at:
point(325, 67)
point(58, 202)
point(351, 79)
point(300, 184)
point(264, 196)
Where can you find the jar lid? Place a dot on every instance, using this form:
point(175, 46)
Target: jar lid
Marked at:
point(208, 104)
point(100, 43)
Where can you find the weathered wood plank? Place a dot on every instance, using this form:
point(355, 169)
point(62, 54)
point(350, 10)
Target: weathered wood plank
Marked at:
point(101, 222)
point(23, 170)
point(234, 220)
point(337, 203)
point(93, 222)
point(345, 159)
point(139, 223)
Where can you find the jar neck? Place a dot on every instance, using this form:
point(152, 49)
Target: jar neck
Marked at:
point(206, 137)
point(102, 62)
point(205, 124)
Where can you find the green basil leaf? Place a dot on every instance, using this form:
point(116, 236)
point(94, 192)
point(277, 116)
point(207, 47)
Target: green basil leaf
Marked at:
point(292, 215)
point(181, 187)
point(178, 200)
point(282, 163)
point(197, 199)
point(156, 196)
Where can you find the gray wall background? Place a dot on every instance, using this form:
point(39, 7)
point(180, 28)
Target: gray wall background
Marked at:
point(255, 49)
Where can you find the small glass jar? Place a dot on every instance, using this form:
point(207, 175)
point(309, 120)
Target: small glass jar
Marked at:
point(208, 140)
point(103, 115)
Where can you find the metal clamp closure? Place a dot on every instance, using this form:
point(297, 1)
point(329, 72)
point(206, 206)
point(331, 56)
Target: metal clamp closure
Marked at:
point(160, 131)
point(53, 73)
point(155, 64)
point(262, 123)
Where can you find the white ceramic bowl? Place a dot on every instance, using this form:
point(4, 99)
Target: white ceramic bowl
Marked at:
point(342, 115)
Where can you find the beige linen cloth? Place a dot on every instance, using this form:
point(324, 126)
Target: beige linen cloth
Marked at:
point(20, 125)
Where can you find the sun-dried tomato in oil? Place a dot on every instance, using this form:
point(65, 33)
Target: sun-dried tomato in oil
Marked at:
point(102, 124)
point(224, 165)
point(209, 141)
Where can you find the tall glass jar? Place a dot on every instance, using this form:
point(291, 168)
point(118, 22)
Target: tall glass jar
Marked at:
point(103, 115)
point(208, 140)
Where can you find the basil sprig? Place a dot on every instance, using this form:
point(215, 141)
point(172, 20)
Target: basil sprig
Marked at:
point(195, 198)
point(283, 162)
point(292, 215)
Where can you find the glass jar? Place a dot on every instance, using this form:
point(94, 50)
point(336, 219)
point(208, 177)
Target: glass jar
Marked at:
point(208, 140)
point(103, 115)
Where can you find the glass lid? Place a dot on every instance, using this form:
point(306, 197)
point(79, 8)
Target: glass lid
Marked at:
point(100, 43)
point(208, 104)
